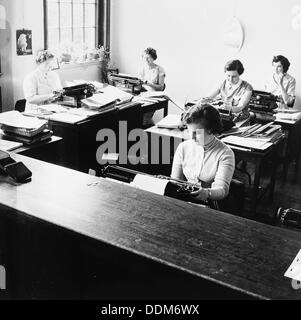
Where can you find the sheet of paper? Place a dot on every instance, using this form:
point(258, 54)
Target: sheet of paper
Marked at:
point(294, 271)
point(67, 117)
point(150, 184)
point(170, 121)
point(288, 116)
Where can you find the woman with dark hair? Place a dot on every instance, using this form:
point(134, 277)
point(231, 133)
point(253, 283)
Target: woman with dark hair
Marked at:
point(234, 92)
point(39, 85)
point(204, 160)
point(281, 83)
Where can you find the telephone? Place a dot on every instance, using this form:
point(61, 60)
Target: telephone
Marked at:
point(16, 170)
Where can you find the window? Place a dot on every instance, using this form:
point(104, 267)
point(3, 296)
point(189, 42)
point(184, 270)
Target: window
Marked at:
point(73, 22)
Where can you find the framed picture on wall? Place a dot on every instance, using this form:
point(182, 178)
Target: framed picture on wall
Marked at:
point(24, 42)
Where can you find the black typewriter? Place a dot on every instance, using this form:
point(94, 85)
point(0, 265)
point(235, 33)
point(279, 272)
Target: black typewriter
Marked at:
point(73, 95)
point(263, 101)
point(175, 188)
point(126, 81)
point(226, 116)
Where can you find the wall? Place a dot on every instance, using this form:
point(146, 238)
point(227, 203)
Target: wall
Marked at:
point(27, 14)
point(188, 38)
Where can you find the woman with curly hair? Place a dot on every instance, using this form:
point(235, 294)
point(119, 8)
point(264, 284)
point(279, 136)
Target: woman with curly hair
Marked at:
point(39, 85)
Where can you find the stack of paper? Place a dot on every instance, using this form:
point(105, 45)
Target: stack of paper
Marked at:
point(249, 143)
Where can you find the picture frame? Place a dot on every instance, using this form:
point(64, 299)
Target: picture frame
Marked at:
point(24, 42)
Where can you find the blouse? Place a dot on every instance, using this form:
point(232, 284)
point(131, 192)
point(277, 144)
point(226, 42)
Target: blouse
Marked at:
point(289, 84)
point(212, 164)
point(152, 75)
point(235, 94)
point(37, 83)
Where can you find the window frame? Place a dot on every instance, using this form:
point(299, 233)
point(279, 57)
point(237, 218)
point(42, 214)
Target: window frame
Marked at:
point(102, 32)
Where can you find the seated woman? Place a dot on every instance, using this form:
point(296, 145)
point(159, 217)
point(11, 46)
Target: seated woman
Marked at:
point(281, 83)
point(234, 92)
point(204, 160)
point(39, 85)
point(153, 77)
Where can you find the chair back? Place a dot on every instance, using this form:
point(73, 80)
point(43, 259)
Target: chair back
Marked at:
point(234, 202)
point(20, 105)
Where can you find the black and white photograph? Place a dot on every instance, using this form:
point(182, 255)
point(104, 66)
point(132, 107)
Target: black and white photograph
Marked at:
point(150, 151)
point(24, 42)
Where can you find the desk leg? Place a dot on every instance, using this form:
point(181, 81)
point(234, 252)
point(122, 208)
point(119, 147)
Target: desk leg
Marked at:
point(273, 178)
point(166, 110)
point(256, 186)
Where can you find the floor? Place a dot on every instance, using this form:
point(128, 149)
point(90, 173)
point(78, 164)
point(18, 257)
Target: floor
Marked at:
point(287, 194)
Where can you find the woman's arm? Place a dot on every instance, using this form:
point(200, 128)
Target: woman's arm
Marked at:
point(289, 95)
point(220, 187)
point(244, 101)
point(177, 165)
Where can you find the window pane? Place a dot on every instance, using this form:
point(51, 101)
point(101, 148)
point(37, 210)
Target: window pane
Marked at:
point(71, 21)
point(66, 34)
point(78, 15)
point(78, 35)
point(66, 17)
point(90, 37)
point(53, 15)
point(53, 38)
point(90, 15)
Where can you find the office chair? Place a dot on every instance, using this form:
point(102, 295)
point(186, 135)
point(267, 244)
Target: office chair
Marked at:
point(20, 105)
point(234, 202)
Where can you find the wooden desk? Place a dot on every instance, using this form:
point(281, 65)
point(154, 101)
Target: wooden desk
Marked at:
point(149, 107)
point(258, 158)
point(67, 237)
point(80, 145)
point(49, 151)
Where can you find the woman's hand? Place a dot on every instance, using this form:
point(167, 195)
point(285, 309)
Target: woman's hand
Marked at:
point(201, 194)
point(279, 79)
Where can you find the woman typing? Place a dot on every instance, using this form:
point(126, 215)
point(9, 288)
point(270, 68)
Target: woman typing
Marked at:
point(40, 85)
point(153, 77)
point(234, 92)
point(204, 160)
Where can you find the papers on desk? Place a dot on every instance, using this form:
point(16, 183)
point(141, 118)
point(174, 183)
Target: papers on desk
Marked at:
point(247, 143)
point(67, 117)
point(14, 121)
point(150, 184)
point(109, 95)
point(171, 121)
point(289, 116)
point(51, 108)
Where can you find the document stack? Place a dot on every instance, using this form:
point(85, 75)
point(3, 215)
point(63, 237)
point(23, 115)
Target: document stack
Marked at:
point(107, 99)
point(17, 127)
point(257, 136)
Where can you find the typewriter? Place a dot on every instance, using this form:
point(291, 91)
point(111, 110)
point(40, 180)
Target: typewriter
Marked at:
point(72, 96)
point(288, 218)
point(126, 82)
point(263, 101)
point(177, 189)
point(226, 116)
